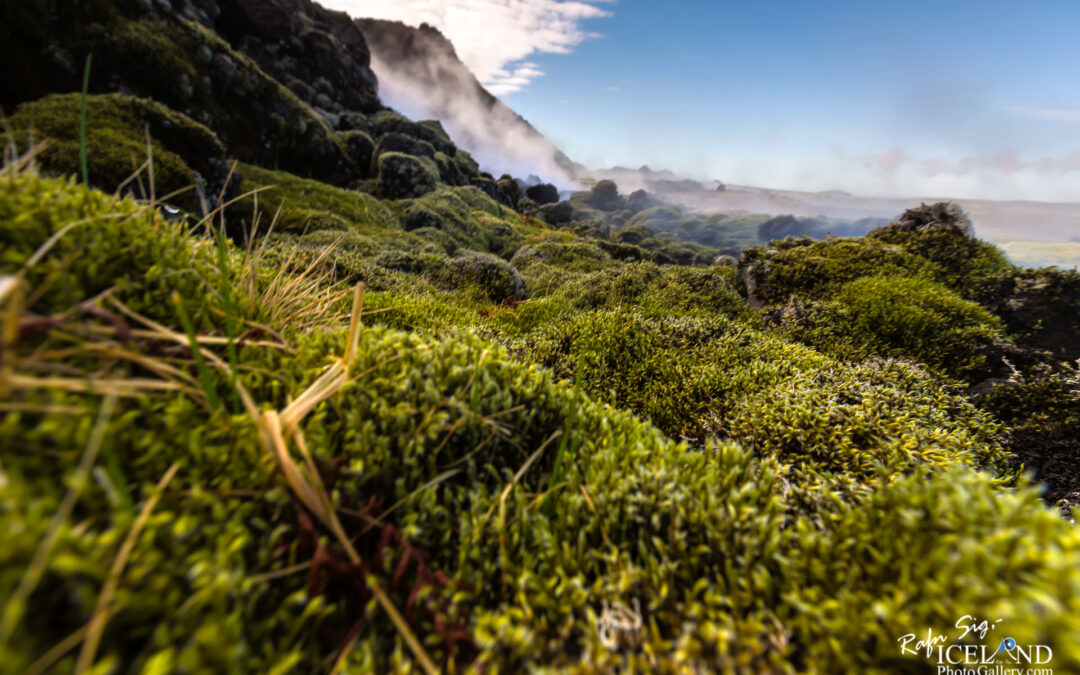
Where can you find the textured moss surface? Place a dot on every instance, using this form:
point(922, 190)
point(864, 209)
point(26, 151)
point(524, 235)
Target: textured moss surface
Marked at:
point(541, 432)
point(118, 129)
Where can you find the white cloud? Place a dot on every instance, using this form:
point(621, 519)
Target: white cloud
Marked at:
point(1052, 114)
point(492, 37)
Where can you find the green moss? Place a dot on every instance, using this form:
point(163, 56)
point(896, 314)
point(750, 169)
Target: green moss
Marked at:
point(710, 377)
point(901, 317)
point(942, 234)
point(387, 121)
point(815, 269)
point(309, 204)
point(113, 245)
point(848, 517)
point(116, 142)
point(921, 319)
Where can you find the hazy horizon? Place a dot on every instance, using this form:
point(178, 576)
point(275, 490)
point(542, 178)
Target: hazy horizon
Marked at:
point(971, 100)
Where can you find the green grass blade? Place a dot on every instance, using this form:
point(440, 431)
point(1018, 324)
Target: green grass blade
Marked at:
point(82, 121)
point(205, 376)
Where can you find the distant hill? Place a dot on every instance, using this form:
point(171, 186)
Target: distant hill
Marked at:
point(421, 75)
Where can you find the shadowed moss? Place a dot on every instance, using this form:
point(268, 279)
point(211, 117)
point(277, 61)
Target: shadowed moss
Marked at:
point(183, 150)
point(310, 205)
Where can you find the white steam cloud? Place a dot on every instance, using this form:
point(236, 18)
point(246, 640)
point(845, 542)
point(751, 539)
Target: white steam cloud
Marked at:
point(496, 137)
point(492, 37)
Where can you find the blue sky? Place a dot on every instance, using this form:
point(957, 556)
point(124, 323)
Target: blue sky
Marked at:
point(957, 98)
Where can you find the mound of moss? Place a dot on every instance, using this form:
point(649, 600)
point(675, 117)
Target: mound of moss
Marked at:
point(904, 317)
point(513, 518)
point(118, 129)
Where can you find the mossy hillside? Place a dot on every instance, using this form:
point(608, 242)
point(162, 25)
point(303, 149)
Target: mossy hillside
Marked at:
point(456, 249)
point(716, 377)
point(186, 67)
point(721, 562)
point(656, 291)
point(933, 242)
point(904, 317)
point(183, 151)
point(816, 269)
point(474, 220)
point(309, 205)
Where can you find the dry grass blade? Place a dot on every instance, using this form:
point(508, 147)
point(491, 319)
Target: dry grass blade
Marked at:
point(354, 326)
point(101, 611)
point(12, 297)
point(12, 294)
point(117, 387)
point(24, 163)
point(320, 390)
point(16, 606)
point(49, 658)
point(312, 495)
point(201, 339)
point(311, 491)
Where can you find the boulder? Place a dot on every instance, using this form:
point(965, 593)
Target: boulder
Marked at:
point(605, 197)
point(639, 200)
point(450, 170)
point(486, 185)
point(185, 152)
point(559, 213)
point(417, 217)
point(940, 216)
point(496, 278)
point(399, 142)
point(361, 150)
point(402, 176)
point(509, 194)
point(544, 193)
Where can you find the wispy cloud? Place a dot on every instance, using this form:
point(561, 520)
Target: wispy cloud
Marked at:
point(492, 37)
point(1052, 114)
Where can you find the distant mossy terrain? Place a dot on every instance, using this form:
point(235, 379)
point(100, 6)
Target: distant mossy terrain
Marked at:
point(294, 386)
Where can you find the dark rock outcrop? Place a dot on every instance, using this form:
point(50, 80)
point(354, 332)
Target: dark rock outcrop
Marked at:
point(403, 176)
point(170, 52)
point(544, 193)
point(1040, 307)
point(559, 213)
point(509, 193)
point(319, 54)
point(605, 197)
